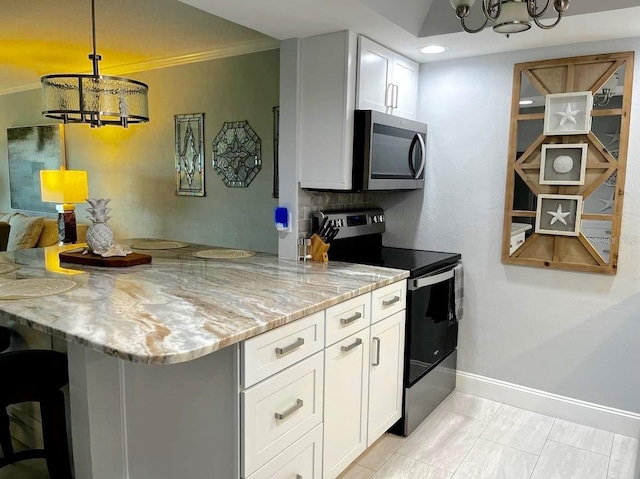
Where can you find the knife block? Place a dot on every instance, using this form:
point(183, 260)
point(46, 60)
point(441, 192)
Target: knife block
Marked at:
point(319, 249)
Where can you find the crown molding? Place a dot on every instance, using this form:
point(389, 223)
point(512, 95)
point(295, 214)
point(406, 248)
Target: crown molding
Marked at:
point(237, 49)
point(21, 88)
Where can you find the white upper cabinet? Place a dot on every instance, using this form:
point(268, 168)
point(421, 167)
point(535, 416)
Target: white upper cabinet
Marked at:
point(375, 69)
point(387, 82)
point(327, 104)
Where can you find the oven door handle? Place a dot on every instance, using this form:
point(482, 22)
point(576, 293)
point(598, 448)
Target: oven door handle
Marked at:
point(415, 284)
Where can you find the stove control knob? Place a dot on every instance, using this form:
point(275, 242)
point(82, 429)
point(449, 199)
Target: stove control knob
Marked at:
point(381, 219)
point(374, 219)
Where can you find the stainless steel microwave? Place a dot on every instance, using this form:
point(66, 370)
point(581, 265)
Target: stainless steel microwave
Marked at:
point(389, 153)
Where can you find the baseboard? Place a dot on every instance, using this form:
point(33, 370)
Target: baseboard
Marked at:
point(569, 409)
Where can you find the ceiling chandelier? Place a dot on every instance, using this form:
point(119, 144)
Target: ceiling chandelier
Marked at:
point(510, 16)
point(94, 99)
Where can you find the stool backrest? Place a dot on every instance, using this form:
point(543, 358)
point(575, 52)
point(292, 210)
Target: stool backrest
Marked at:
point(5, 228)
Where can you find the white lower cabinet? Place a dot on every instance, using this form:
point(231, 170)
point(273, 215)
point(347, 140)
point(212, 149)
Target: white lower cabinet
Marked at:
point(279, 411)
point(303, 460)
point(345, 402)
point(385, 377)
point(323, 389)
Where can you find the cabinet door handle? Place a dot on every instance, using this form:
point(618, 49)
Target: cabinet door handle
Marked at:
point(388, 96)
point(396, 90)
point(391, 301)
point(377, 361)
point(291, 347)
point(357, 343)
point(291, 410)
point(355, 317)
point(299, 476)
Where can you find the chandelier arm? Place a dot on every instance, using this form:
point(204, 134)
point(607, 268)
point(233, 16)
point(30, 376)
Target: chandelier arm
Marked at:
point(491, 9)
point(469, 30)
point(547, 27)
point(532, 7)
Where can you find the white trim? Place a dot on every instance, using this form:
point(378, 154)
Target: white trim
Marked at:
point(237, 49)
point(589, 414)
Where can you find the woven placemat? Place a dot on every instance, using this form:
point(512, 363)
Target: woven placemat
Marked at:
point(8, 268)
point(159, 245)
point(223, 254)
point(35, 288)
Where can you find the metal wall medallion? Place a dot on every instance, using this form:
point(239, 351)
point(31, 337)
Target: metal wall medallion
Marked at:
point(237, 156)
point(190, 154)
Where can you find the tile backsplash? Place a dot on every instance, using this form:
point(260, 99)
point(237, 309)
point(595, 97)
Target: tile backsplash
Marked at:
point(311, 201)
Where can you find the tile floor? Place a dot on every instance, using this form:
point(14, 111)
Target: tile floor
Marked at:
point(473, 438)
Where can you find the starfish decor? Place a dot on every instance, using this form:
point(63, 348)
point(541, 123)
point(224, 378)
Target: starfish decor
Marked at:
point(558, 216)
point(613, 137)
point(568, 115)
point(607, 204)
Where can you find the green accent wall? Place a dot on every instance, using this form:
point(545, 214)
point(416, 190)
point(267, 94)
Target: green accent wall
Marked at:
point(135, 167)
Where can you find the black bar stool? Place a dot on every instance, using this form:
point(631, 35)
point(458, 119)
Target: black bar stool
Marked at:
point(37, 376)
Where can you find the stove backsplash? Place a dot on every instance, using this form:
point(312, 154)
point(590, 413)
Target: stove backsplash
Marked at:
point(311, 201)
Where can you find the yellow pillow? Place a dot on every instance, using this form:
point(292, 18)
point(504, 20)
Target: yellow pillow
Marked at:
point(25, 231)
point(49, 235)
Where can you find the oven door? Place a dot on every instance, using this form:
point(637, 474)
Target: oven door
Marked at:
point(432, 330)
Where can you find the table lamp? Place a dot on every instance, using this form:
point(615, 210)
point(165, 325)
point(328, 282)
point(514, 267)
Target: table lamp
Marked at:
point(65, 187)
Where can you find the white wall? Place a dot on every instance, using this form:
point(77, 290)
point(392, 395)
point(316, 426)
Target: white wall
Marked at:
point(573, 334)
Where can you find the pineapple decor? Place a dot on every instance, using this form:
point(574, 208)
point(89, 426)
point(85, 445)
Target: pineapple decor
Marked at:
point(99, 235)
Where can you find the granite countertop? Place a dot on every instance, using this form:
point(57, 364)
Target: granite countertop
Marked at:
point(179, 308)
point(517, 228)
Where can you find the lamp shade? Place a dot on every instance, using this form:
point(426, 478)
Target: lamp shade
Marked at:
point(64, 186)
point(514, 17)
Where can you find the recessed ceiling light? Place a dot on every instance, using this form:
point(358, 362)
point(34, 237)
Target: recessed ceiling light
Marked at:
point(433, 49)
point(526, 102)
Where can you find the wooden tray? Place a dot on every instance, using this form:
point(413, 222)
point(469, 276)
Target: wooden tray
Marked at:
point(91, 259)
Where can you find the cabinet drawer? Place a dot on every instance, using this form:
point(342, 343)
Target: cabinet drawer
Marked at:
point(279, 411)
point(271, 352)
point(516, 242)
point(303, 459)
point(388, 300)
point(348, 317)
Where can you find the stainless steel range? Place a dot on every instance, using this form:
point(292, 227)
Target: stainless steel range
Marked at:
point(431, 323)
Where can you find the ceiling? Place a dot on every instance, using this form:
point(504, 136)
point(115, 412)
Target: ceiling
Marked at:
point(40, 37)
point(407, 25)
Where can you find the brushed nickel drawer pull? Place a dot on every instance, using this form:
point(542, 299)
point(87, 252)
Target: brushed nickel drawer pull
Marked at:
point(391, 301)
point(299, 476)
point(377, 361)
point(350, 320)
point(357, 343)
point(291, 347)
point(291, 410)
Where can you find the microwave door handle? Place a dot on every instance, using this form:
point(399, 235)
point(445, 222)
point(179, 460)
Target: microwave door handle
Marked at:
point(423, 148)
point(414, 142)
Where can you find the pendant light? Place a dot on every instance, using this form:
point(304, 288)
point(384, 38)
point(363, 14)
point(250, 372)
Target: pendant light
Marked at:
point(94, 99)
point(510, 16)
